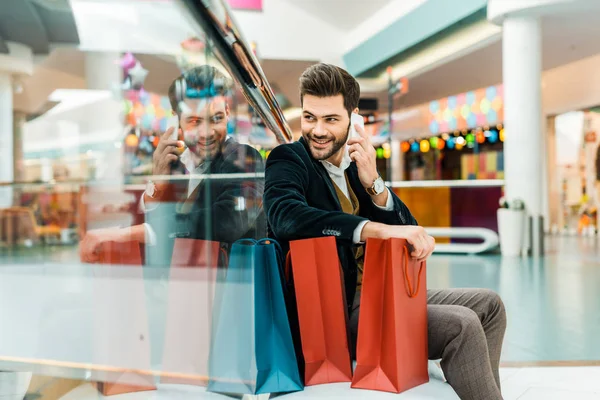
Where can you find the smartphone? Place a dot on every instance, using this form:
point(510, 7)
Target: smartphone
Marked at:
point(355, 119)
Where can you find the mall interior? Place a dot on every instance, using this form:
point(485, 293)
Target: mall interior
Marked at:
point(484, 115)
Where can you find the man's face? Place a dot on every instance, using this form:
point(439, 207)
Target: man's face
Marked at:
point(204, 125)
point(325, 125)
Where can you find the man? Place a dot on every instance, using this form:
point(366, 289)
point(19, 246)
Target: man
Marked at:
point(326, 184)
point(207, 204)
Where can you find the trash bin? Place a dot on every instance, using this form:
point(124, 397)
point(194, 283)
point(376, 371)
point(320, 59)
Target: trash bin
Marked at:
point(511, 229)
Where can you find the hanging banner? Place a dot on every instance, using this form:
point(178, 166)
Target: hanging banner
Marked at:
point(255, 5)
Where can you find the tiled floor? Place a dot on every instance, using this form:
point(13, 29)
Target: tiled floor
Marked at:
point(553, 306)
point(551, 383)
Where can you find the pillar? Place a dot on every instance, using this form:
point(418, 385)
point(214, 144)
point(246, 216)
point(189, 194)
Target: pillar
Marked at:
point(522, 59)
point(103, 72)
point(397, 162)
point(6, 139)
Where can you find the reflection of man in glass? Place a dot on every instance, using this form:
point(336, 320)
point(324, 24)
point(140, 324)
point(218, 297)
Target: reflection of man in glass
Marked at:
point(206, 204)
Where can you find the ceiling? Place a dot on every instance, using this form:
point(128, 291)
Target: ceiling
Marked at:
point(37, 24)
point(566, 38)
point(284, 76)
point(341, 14)
point(64, 68)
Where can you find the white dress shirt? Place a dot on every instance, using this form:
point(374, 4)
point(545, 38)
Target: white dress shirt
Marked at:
point(188, 160)
point(338, 175)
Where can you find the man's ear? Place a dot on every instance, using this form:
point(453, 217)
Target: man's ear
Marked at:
point(227, 110)
point(355, 111)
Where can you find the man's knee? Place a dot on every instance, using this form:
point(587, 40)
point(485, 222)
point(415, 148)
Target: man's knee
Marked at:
point(495, 305)
point(460, 321)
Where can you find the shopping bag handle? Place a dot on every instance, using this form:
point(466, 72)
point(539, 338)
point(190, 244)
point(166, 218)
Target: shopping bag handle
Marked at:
point(246, 241)
point(288, 265)
point(412, 293)
point(225, 256)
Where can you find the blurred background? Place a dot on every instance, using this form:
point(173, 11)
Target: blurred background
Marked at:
point(484, 114)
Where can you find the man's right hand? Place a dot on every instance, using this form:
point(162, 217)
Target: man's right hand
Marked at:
point(167, 151)
point(422, 243)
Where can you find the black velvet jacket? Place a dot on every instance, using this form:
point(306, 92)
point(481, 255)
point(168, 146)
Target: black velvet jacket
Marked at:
point(301, 202)
point(223, 208)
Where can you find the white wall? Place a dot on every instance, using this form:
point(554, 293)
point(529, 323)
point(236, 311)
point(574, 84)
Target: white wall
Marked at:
point(383, 18)
point(572, 87)
point(285, 32)
point(498, 9)
point(67, 131)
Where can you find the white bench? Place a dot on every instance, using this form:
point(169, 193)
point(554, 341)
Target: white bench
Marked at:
point(489, 237)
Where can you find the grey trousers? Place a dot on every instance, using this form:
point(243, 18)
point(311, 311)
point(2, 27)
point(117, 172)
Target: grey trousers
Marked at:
point(466, 330)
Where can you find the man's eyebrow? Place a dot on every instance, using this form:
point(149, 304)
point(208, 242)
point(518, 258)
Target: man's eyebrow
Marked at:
point(325, 116)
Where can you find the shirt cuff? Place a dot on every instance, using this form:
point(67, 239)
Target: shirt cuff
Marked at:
point(143, 207)
point(358, 232)
point(389, 205)
point(150, 234)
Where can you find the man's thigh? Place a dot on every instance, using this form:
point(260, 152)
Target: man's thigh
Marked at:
point(478, 300)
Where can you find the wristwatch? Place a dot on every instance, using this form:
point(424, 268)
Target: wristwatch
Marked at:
point(377, 188)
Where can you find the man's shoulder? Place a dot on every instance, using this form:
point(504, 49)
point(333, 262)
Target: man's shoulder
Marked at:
point(243, 156)
point(290, 150)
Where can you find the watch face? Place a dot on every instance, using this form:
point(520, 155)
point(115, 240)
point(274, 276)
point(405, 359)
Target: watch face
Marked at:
point(379, 186)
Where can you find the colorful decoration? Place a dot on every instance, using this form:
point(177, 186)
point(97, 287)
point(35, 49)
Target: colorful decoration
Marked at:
point(441, 144)
point(467, 110)
point(405, 147)
point(146, 109)
point(131, 140)
point(450, 143)
point(138, 76)
point(414, 147)
point(486, 165)
point(502, 135)
point(425, 146)
point(480, 137)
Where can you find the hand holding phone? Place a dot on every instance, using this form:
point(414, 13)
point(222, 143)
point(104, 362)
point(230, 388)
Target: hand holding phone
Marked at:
point(355, 119)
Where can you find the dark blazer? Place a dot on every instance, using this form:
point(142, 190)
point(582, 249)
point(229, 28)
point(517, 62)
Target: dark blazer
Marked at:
point(301, 202)
point(222, 208)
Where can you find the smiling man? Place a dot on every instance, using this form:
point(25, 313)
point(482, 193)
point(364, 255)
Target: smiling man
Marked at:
point(327, 184)
point(206, 204)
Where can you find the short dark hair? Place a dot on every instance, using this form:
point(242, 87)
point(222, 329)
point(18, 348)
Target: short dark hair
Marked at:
point(204, 81)
point(326, 80)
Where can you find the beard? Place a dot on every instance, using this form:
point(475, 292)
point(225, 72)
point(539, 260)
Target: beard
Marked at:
point(320, 153)
point(202, 150)
point(207, 153)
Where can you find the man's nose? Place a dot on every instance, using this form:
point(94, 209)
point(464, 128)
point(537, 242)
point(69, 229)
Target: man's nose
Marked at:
point(319, 128)
point(205, 131)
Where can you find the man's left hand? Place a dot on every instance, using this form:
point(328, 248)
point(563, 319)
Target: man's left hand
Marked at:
point(363, 153)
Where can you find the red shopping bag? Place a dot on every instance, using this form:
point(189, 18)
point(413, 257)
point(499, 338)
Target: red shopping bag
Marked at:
point(192, 281)
point(121, 302)
point(322, 313)
point(392, 327)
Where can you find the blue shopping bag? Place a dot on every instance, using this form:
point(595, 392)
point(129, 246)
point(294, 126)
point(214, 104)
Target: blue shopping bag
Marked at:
point(252, 350)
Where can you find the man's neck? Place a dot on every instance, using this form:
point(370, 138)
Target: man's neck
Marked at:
point(337, 158)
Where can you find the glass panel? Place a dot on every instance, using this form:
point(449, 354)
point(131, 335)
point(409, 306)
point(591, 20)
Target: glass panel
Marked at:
point(133, 138)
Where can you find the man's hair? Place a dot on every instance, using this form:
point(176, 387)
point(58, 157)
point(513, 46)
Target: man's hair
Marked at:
point(199, 82)
point(326, 80)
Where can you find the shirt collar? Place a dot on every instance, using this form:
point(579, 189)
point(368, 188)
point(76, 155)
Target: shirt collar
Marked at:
point(338, 171)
